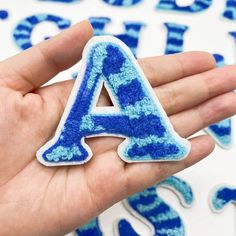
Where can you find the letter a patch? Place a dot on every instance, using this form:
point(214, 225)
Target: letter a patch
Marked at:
point(137, 115)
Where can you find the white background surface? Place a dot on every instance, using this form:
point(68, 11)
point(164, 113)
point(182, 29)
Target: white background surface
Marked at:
point(208, 31)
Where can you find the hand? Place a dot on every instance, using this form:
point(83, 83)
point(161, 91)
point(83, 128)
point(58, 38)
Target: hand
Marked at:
point(37, 200)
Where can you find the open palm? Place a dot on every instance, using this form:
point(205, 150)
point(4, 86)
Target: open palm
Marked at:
point(38, 200)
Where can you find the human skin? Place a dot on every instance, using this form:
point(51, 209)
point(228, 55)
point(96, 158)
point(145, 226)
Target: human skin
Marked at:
point(38, 200)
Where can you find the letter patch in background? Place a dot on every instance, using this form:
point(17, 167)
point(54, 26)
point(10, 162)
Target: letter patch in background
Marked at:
point(230, 11)
point(4, 14)
point(151, 209)
point(22, 32)
point(122, 3)
point(148, 205)
point(172, 5)
point(136, 116)
point(62, 1)
point(221, 131)
point(222, 196)
point(175, 37)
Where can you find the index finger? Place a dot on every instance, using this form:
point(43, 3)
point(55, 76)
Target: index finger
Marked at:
point(32, 68)
point(168, 68)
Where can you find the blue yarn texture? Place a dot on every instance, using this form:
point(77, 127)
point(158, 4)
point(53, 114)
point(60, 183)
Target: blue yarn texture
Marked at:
point(148, 204)
point(223, 196)
point(196, 6)
point(164, 219)
point(138, 117)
